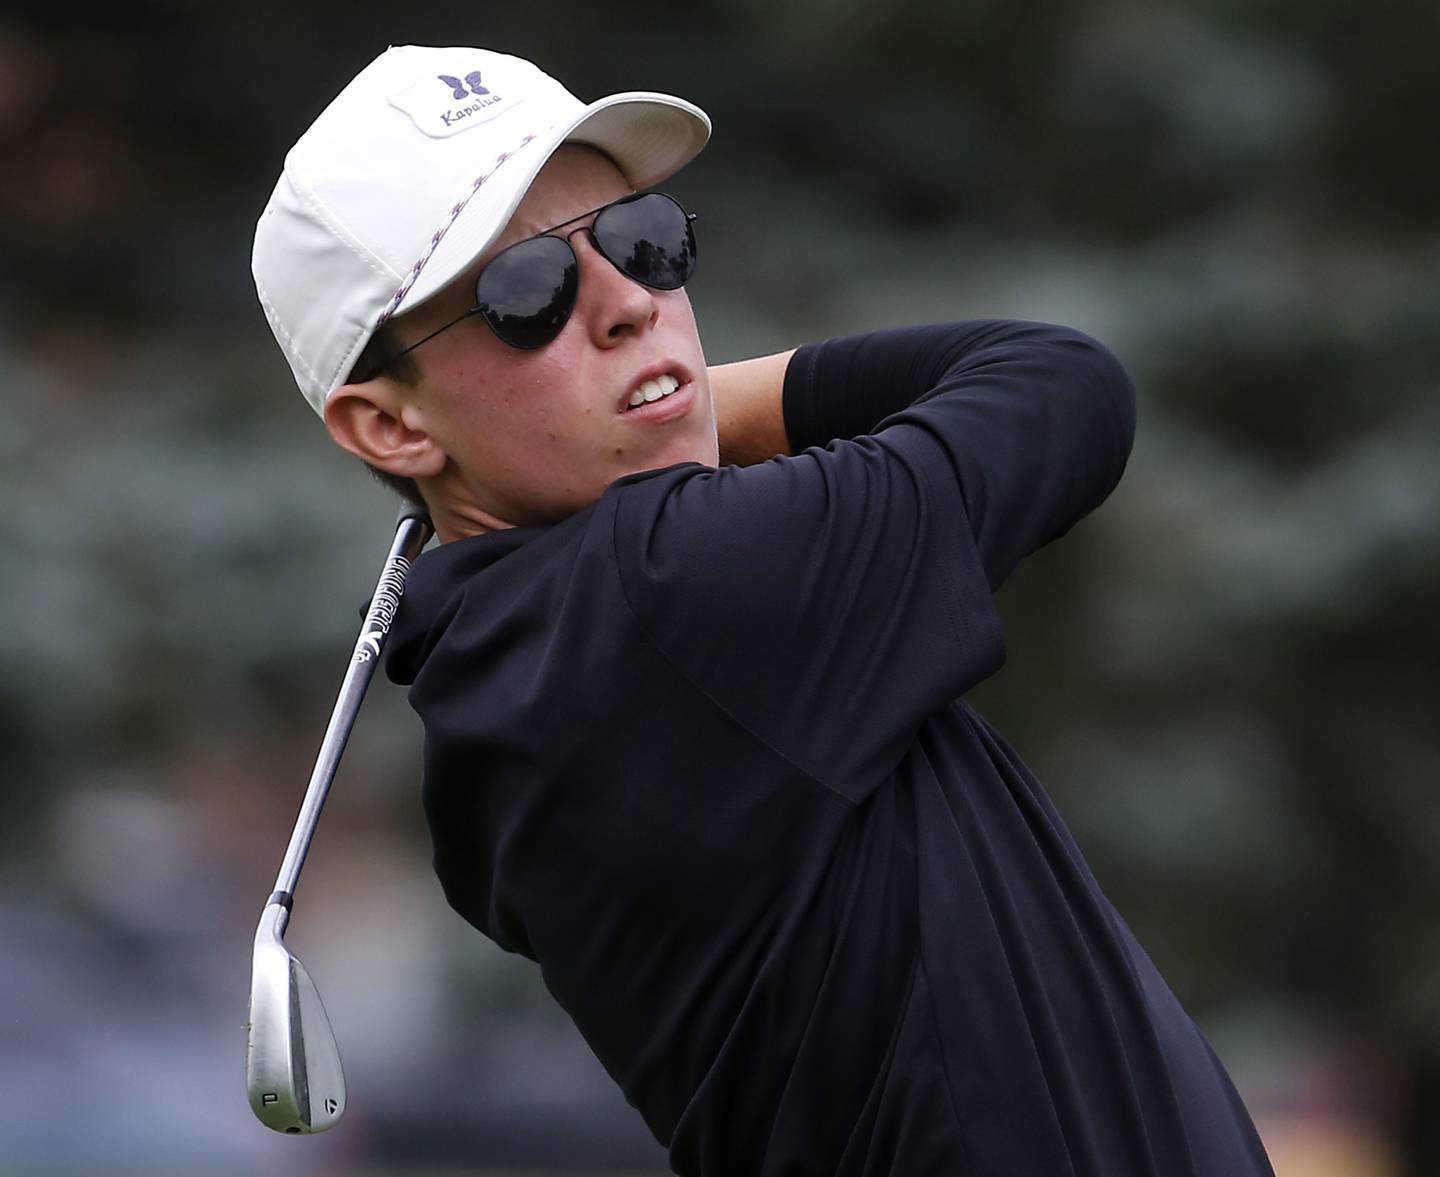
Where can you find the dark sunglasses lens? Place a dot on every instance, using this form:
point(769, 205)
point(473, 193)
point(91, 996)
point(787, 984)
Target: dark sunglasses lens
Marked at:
point(527, 292)
point(650, 239)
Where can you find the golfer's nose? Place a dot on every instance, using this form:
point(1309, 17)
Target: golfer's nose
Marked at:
point(614, 305)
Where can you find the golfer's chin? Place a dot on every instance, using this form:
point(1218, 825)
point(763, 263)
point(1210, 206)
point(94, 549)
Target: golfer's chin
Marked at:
point(700, 449)
point(689, 438)
point(460, 508)
point(699, 445)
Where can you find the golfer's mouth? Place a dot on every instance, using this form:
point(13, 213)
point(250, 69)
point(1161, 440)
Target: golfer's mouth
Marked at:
point(659, 398)
point(650, 391)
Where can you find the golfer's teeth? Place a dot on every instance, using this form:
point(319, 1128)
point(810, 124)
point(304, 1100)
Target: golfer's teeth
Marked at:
point(653, 390)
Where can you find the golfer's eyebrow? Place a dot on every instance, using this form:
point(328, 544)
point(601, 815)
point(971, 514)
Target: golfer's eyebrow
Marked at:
point(572, 220)
point(578, 217)
point(561, 225)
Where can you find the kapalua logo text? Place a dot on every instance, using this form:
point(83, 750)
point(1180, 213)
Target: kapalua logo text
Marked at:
point(441, 105)
point(463, 88)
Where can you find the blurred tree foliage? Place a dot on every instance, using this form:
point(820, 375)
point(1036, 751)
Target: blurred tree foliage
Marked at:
point(1228, 677)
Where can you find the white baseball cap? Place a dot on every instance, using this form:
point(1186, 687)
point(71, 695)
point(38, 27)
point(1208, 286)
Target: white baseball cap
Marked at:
point(411, 173)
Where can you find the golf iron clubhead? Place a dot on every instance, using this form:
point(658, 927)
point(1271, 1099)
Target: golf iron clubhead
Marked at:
point(292, 1064)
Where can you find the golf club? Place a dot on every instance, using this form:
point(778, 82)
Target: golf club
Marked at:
point(292, 1064)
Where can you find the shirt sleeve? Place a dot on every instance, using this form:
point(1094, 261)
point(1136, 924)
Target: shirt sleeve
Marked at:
point(830, 602)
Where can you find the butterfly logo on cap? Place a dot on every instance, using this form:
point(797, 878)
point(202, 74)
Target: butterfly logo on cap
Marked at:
point(459, 86)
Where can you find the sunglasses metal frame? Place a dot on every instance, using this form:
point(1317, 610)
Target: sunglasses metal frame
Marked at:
point(479, 309)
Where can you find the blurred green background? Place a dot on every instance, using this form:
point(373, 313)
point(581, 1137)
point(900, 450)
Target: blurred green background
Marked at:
point(1227, 678)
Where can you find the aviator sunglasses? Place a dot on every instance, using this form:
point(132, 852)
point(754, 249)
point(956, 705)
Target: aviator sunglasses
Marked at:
point(527, 291)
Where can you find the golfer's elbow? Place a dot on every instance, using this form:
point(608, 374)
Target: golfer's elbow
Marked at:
point(1103, 400)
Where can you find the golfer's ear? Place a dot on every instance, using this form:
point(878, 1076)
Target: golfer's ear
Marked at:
point(369, 420)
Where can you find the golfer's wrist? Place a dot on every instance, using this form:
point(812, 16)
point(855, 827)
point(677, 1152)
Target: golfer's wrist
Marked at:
point(749, 414)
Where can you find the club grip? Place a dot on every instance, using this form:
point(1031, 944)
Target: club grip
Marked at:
point(417, 511)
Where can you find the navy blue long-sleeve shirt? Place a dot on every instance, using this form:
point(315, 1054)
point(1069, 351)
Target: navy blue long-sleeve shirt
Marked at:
point(701, 750)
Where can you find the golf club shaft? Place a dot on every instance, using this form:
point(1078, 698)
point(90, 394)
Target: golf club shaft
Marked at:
point(411, 534)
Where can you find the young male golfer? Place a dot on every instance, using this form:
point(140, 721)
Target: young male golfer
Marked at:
point(695, 732)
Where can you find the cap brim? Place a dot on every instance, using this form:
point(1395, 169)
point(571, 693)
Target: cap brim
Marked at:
point(649, 136)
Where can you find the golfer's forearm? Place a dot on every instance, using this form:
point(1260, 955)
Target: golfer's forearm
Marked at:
point(1041, 381)
point(1036, 420)
point(748, 409)
point(878, 373)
